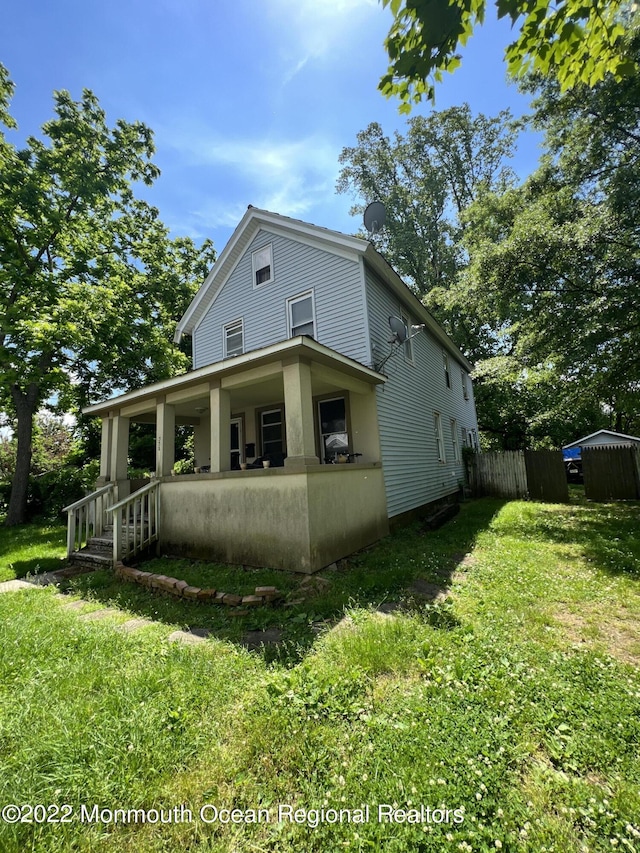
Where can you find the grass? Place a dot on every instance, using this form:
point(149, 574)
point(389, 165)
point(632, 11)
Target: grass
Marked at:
point(31, 549)
point(514, 706)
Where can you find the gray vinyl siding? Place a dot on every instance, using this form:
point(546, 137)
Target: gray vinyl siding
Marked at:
point(406, 405)
point(297, 267)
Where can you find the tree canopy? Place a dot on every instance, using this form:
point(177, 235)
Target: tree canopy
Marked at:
point(91, 285)
point(538, 283)
point(555, 263)
point(426, 178)
point(573, 41)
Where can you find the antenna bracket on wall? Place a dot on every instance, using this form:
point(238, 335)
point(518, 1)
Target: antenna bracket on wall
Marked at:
point(399, 336)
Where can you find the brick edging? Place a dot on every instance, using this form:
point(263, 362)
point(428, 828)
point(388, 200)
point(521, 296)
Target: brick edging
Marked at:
point(181, 589)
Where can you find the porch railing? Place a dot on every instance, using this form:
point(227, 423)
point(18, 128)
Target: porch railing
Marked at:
point(136, 521)
point(87, 517)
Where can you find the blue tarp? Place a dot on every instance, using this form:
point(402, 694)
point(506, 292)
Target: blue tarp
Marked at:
point(571, 453)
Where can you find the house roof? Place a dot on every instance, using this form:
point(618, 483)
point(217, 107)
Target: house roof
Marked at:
point(333, 241)
point(579, 441)
point(301, 345)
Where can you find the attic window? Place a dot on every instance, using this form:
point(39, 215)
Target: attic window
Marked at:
point(262, 266)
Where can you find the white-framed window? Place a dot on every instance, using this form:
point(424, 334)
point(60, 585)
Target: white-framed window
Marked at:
point(262, 261)
point(233, 338)
point(272, 431)
point(437, 427)
point(447, 372)
point(455, 440)
point(301, 315)
point(465, 384)
point(408, 346)
point(332, 422)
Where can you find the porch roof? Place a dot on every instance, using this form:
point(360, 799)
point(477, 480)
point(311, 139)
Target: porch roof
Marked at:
point(142, 399)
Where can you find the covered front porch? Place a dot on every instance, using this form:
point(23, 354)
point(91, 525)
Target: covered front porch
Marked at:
point(307, 410)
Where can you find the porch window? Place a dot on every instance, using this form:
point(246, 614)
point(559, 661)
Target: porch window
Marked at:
point(301, 315)
point(334, 438)
point(234, 339)
point(271, 431)
point(262, 265)
point(437, 426)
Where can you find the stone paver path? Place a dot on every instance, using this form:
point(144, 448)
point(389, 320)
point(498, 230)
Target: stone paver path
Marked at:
point(14, 586)
point(95, 615)
point(428, 591)
point(185, 637)
point(255, 640)
point(75, 605)
point(134, 625)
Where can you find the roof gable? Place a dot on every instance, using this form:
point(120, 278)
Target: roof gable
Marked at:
point(254, 220)
point(324, 238)
point(579, 441)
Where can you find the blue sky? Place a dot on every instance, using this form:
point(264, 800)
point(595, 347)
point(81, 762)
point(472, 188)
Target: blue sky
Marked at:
point(251, 102)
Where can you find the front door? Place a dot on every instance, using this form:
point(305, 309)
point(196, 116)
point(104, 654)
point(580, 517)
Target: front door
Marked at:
point(236, 443)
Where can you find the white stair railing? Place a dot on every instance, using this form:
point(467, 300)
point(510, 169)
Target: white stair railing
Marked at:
point(136, 521)
point(87, 517)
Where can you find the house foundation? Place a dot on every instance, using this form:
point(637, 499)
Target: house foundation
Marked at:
point(300, 520)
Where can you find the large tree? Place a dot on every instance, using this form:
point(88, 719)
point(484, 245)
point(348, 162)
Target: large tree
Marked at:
point(574, 42)
point(426, 179)
point(555, 264)
point(90, 283)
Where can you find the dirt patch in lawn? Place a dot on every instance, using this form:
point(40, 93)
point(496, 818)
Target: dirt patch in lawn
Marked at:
point(616, 630)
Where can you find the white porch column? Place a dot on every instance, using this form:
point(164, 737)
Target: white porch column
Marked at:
point(299, 418)
point(165, 438)
point(119, 447)
point(220, 407)
point(105, 451)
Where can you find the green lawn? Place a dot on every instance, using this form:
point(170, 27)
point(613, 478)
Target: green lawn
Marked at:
point(31, 549)
point(512, 710)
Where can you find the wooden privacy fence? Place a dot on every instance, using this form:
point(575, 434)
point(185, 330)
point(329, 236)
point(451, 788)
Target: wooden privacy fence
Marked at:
point(520, 474)
point(611, 473)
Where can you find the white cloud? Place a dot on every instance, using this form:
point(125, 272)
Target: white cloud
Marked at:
point(288, 177)
point(315, 29)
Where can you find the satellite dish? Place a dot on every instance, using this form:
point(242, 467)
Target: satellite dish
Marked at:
point(375, 217)
point(398, 330)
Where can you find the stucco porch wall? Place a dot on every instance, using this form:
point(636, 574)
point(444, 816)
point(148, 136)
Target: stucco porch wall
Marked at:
point(299, 520)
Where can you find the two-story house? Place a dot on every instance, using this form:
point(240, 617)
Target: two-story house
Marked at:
point(290, 335)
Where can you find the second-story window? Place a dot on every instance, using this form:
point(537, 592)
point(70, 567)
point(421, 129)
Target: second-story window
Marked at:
point(233, 339)
point(262, 260)
point(465, 387)
point(301, 315)
point(408, 344)
point(447, 372)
